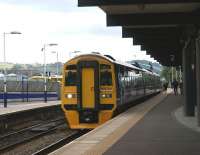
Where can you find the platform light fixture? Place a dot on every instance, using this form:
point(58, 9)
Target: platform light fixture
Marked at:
point(74, 52)
point(57, 67)
point(45, 69)
point(4, 60)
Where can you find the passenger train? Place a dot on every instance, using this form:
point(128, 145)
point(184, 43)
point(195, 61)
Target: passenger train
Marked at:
point(94, 86)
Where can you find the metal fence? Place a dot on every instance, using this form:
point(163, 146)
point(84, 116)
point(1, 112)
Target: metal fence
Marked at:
point(31, 86)
point(29, 90)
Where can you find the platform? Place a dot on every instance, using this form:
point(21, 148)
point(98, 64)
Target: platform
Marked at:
point(159, 133)
point(23, 106)
point(150, 128)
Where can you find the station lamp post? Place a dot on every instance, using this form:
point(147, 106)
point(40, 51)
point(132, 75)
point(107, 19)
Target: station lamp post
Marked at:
point(57, 68)
point(74, 52)
point(4, 60)
point(172, 73)
point(172, 58)
point(45, 69)
point(180, 74)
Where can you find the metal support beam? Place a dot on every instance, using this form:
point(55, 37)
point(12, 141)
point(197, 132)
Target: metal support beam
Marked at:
point(153, 40)
point(156, 38)
point(152, 45)
point(153, 19)
point(159, 48)
point(147, 30)
point(126, 2)
point(130, 35)
point(156, 42)
point(166, 31)
point(198, 77)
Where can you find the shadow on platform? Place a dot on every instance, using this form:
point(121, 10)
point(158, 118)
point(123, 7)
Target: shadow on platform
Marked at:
point(159, 133)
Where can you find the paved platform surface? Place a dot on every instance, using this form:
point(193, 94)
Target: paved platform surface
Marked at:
point(190, 122)
point(159, 133)
point(100, 139)
point(23, 106)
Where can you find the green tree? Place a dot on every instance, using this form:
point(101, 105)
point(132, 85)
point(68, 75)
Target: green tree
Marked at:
point(17, 67)
point(166, 73)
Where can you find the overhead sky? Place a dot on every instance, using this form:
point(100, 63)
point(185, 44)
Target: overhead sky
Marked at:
point(72, 28)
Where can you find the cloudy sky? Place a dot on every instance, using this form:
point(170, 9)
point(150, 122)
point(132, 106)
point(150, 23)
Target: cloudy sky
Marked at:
point(62, 22)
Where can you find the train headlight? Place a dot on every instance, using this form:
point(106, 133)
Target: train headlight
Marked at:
point(109, 95)
point(69, 96)
point(103, 95)
point(106, 95)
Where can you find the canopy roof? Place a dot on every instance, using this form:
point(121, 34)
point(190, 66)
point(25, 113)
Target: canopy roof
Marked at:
point(161, 27)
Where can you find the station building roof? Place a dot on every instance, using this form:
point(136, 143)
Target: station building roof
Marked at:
point(161, 27)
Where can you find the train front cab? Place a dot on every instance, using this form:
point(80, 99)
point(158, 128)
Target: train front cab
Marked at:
point(88, 92)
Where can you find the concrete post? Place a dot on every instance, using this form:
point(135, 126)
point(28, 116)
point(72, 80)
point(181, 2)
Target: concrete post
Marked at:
point(188, 80)
point(198, 77)
point(172, 74)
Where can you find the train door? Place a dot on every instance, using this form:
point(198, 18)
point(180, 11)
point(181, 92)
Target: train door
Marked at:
point(88, 94)
point(88, 90)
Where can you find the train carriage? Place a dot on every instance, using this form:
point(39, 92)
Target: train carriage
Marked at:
point(94, 86)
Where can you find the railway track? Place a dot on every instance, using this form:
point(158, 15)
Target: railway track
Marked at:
point(14, 139)
point(61, 142)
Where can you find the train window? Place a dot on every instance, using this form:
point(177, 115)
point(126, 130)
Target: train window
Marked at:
point(104, 66)
point(137, 72)
point(106, 78)
point(70, 78)
point(71, 67)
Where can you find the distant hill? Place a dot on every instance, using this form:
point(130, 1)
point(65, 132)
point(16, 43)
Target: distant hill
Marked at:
point(8, 65)
point(145, 64)
point(37, 69)
point(30, 69)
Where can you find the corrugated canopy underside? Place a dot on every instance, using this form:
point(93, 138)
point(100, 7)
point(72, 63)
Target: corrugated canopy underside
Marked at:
point(159, 26)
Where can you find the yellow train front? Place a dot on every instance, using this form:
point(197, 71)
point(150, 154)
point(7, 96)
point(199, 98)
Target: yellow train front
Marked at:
point(88, 91)
point(94, 87)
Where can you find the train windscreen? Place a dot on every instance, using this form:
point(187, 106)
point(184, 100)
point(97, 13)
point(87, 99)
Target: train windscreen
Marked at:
point(106, 78)
point(70, 78)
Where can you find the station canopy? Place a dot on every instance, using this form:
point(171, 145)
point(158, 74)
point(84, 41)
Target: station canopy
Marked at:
point(161, 27)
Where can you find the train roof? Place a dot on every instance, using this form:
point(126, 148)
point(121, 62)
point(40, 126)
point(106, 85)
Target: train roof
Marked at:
point(128, 65)
point(150, 72)
point(112, 60)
